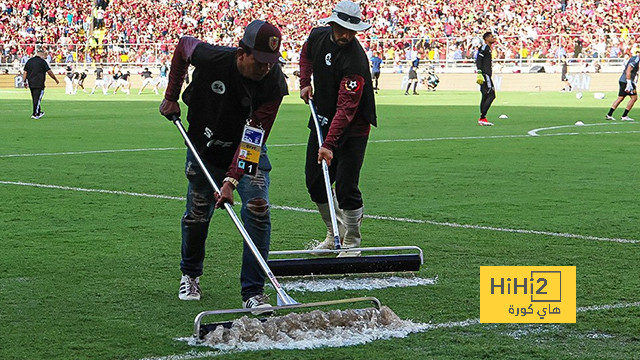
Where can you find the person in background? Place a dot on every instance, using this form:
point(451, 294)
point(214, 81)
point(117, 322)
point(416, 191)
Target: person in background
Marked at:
point(83, 76)
point(162, 80)
point(147, 79)
point(68, 80)
point(563, 76)
point(35, 71)
point(487, 87)
point(413, 76)
point(123, 82)
point(627, 87)
point(100, 81)
point(376, 61)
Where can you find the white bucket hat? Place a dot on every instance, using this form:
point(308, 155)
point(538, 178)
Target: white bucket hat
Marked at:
point(348, 15)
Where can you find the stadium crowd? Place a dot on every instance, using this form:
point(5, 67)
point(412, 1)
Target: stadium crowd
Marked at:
point(144, 31)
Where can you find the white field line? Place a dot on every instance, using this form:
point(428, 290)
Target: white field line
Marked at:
point(508, 230)
point(376, 217)
point(423, 328)
point(530, 134)
point(607, 307)
point(71, 188)
point(535, 132)
point(476, 227)
point(593, 133)
point(87, 152)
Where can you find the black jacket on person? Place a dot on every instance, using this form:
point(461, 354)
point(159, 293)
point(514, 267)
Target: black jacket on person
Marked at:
point(36, 69)
point(331, 63)
point(483, 61)
point(220, 101)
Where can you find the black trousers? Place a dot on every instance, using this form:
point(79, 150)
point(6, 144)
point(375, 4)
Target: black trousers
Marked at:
point(344, 171)
point(36, 97)
point(376, 76)
point(488, 91)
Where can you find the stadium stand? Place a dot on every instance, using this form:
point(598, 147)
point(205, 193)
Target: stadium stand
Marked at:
point(447, 32)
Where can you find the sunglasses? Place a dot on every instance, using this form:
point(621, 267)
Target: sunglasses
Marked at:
point(348, 18)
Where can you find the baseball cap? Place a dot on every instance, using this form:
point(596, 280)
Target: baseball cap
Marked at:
point(264, 41)
point(348, 15)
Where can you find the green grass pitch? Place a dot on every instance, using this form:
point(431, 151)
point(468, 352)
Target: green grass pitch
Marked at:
point(94, 275)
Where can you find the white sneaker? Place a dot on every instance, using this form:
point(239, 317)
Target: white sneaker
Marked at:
point(626, 118)
point(259, 303)
point(189, 288)
point(609, 117)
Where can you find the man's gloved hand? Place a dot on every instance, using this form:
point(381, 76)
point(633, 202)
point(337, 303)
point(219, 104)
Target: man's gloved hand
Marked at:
point(480, 78)
point(170, 109)
point(629, 87)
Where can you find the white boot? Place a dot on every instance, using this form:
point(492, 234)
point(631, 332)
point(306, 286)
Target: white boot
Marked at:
point(328, 242)
point(352, 220)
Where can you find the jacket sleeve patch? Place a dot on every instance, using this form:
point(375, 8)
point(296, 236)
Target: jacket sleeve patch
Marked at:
point(352, 85)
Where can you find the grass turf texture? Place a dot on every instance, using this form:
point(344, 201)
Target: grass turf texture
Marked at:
point(95, 275)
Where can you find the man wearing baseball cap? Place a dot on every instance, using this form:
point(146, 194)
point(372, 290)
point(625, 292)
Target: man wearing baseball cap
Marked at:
point(346, 109)
point(234, 92)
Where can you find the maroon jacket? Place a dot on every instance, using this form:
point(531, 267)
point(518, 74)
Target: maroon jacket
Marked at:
point(343, 89)
point(221, 100)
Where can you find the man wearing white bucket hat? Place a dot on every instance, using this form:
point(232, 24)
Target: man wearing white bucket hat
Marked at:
point(346, 110)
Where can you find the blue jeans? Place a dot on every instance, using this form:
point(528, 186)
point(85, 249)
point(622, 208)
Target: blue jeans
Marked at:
point(255, 215)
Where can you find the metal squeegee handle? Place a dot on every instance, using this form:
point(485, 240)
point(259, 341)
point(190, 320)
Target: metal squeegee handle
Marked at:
point(327, 181)
point(283, 298)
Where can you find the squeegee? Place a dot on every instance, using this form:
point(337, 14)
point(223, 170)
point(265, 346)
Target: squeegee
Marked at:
point(383, 259)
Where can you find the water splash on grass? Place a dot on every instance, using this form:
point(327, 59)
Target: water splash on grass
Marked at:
point(327, 285)
point(312, 330)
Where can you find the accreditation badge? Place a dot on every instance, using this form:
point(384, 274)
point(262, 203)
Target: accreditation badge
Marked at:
point(250, 146)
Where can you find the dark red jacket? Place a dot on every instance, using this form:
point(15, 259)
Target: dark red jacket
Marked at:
point(343, 92)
